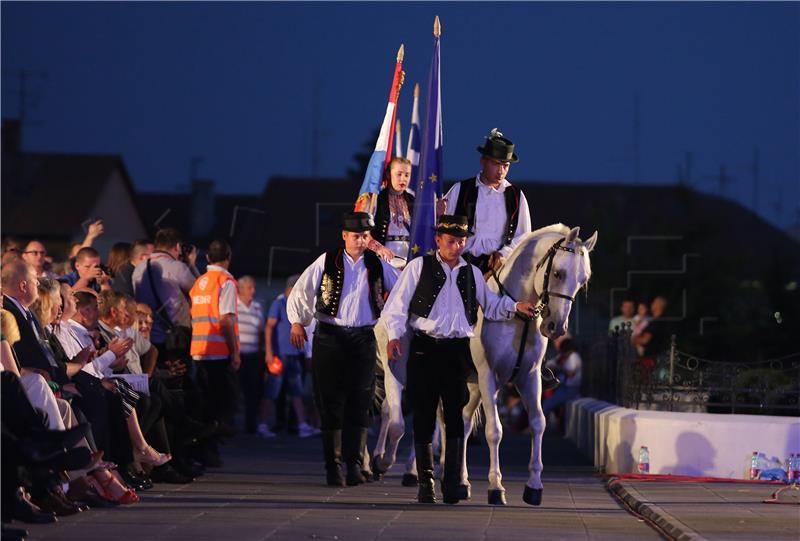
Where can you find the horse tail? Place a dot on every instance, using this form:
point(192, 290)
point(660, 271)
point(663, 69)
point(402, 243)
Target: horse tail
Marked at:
point(477, 418)
point(379, 395)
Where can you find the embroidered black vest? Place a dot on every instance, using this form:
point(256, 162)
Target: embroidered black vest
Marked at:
point(330, 289)
point(382, 215)
point(468, 200)
point(431, 281)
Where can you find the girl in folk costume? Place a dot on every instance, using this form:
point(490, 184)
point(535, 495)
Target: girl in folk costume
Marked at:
point(390, 237)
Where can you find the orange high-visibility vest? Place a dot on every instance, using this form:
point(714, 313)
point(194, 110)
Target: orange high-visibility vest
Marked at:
point(207, 337)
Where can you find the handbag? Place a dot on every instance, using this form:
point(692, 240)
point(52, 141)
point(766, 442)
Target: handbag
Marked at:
point(179, 337)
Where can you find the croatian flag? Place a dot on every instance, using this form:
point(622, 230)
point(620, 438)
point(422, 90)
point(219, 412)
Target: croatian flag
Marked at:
point(412, 153)
point(429, 183)
point(381, 156)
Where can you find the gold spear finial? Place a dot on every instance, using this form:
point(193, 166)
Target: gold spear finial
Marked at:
point(437, 28)
point(416, 90)
point(401, 52)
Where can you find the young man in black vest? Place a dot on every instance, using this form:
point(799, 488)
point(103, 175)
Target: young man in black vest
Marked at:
point(437, 296)
point(345, 290)
point(497, 211)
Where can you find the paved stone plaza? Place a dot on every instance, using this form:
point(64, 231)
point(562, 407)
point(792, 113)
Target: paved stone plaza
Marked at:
point(274, 490)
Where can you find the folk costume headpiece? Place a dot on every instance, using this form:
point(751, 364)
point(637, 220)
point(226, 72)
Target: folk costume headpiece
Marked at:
point(498, 148)
point(453, 225)
point(357, 222)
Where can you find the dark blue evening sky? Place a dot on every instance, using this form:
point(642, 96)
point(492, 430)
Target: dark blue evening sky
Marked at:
point(160, 82)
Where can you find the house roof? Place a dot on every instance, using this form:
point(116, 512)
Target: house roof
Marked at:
point(49, 196)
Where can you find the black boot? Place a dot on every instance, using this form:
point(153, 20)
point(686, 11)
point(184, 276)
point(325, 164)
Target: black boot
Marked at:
point(451, 479)
point(332, 447)
point(353, 447)
point(427, 492)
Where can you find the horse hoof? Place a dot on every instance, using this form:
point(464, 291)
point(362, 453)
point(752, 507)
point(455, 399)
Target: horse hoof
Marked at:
point(497, 497)
point(464, 492)
point(409, 480)
point(532, 496)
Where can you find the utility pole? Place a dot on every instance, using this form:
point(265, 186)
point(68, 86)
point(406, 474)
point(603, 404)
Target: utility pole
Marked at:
point(315, 131)
point(687, 169)
point(194, 165)
point(724, 179)
point(27, 99)
point(636, 162)
point(755, 179)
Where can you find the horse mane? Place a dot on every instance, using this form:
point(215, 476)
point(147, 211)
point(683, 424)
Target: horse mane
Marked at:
point(528, 242)
point(521, 261)
point(559, 228)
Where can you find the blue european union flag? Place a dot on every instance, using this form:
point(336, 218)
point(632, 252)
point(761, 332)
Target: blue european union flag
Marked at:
point(429, 182)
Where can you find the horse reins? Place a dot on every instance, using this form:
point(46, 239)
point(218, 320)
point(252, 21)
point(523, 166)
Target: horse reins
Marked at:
point(544, 298)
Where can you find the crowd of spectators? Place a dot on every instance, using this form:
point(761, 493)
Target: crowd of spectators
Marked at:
point(100, 395)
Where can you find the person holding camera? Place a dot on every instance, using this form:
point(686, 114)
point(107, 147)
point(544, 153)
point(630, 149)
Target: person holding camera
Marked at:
point(163, 283)
point(89, 272)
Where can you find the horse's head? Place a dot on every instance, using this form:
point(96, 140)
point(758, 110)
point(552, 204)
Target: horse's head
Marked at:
point(560, 274)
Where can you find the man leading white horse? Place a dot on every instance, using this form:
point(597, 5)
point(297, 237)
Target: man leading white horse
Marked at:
point(438, 296)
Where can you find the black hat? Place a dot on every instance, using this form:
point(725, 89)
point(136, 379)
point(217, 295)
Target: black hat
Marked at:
point(357, 221)
point(458, 226)
point(498, 148)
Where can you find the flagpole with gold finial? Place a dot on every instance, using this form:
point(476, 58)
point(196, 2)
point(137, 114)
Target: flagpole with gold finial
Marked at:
point(373, 176)
point(437, 28)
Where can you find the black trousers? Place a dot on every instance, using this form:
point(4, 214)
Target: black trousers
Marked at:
point(219, 388)
point(438, 369)
point(251, 378)
point(344, 375)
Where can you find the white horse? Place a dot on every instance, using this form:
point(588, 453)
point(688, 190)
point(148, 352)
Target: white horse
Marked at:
point(551, 259)
point(547, 268)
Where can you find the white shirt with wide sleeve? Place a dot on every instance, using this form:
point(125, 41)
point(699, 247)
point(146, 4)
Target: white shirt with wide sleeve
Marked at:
point(447, 318)
point(354, 307)
point(100, 366)
point(490, 218)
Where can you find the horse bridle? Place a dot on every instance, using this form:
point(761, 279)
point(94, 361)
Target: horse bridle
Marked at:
point(544, 298)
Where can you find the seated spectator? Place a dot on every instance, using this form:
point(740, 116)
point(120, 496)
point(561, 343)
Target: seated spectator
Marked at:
point(567, 366)
point(75, 335)
point(626, 316)
point(37, 365)
point(35, 255)
point(144, 319)
point(88, 273)
point(123, 269)
point(161, 408)
point(47, 309)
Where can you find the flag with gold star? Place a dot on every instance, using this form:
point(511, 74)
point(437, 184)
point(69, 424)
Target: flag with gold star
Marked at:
point(428, 183)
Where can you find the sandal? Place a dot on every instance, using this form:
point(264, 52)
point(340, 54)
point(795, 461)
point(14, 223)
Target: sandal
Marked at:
point(104, 491)
point(148, 455)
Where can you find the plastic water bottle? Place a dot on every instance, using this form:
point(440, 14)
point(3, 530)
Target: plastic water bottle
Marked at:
point(795, 469)
point(790, 468)
point(754, 466)
point(644, 459)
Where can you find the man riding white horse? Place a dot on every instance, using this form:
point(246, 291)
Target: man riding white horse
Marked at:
point(438, 296)
point(496, 210)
